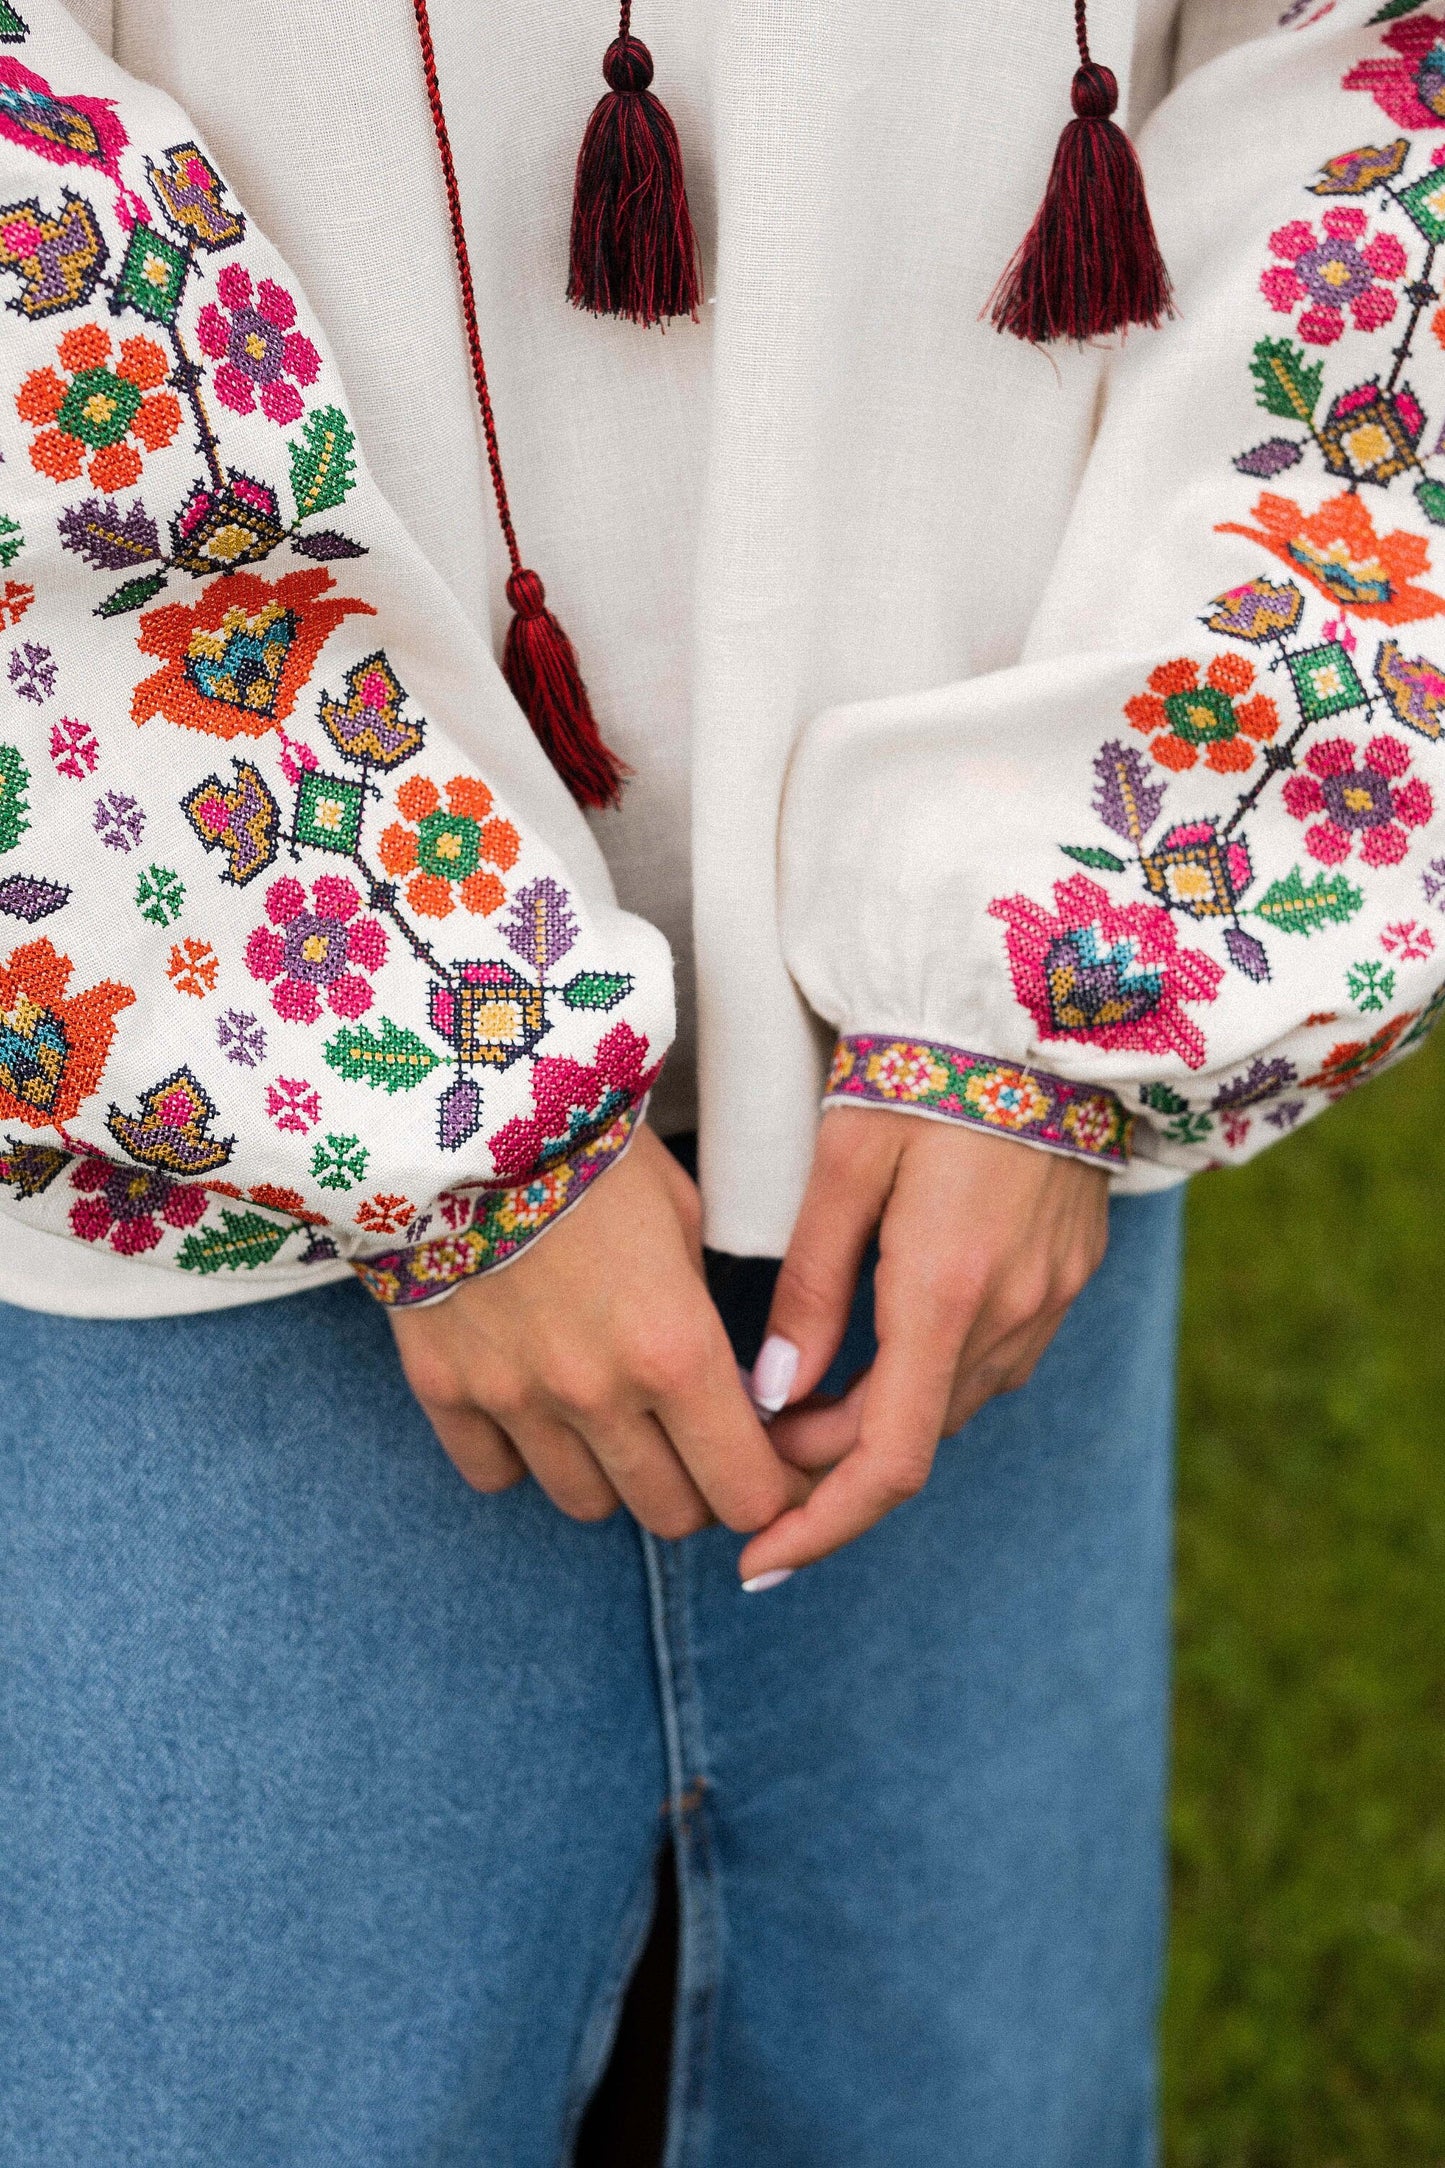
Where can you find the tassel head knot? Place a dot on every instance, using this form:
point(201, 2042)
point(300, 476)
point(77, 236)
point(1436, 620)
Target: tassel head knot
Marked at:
point(1095, 91)
point(526, 593)
point(627, 65)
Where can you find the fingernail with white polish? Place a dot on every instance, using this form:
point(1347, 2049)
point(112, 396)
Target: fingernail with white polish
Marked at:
point(773, 1373)
point(763, 1581)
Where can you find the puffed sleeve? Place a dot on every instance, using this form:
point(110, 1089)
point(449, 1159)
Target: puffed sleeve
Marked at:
point(310, 956)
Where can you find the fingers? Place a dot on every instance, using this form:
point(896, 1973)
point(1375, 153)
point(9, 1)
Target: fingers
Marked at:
point(480, 1452)
point(715, 1429)
point(853, 1171)
point(818, 1434)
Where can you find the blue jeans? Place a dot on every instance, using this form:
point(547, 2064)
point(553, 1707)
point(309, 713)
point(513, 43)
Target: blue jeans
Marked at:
point(330, 1792)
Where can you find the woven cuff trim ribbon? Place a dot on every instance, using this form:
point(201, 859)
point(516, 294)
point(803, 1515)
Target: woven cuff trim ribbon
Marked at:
point(503, 1223)
point(1026, 1103)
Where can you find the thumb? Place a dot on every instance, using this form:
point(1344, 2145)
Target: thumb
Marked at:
point(853, 1169)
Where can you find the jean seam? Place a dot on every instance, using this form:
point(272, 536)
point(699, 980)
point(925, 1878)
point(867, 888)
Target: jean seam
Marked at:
point(689, 2105)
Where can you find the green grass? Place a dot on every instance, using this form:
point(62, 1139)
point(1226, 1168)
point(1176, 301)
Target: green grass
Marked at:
point(1306, 2015)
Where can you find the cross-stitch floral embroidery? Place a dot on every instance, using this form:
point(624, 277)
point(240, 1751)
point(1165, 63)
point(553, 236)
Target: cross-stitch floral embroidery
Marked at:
point(1362, 799)
point(184, 427)
point(53, 1045)
point(1113, 975)
point(236, 661)
point(95, 411)
point(1334, 269)
point(316, 951)
point(1208, 714)
point(261, 357)
point(1338, 550)
point(449, 852)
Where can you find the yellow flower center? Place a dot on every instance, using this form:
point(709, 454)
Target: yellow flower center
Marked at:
point(313, 948)
point(1357, 798)
point(99, 408)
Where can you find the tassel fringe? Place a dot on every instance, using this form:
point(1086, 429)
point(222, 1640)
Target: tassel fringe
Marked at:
point(539, 664)
point(634, 252)
point(1090, 263)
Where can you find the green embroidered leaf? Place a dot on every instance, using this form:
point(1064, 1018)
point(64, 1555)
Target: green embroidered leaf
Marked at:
point(14, 29)
point(1430, 496)
point(323, 462)
point(397, 1061)
point(1394, 9)
point(242, 1241)
point(132, 595)
point(14, 809)
point(597, 989)
point(1089, 854)
point(1189, 1129)
point(1286, 384)
point(1295, 905)
point(12, 539)
point(1163, 1099)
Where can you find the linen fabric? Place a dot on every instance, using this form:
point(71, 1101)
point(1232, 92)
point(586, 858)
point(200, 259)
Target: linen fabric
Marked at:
point(809, 550)
point(330, 1791)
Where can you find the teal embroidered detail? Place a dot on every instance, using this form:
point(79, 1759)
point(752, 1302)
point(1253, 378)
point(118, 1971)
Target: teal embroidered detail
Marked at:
point(1009, 1098)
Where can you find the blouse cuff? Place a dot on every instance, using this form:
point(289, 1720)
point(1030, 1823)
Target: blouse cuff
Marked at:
point(1009, 1099)
point(499, 1225)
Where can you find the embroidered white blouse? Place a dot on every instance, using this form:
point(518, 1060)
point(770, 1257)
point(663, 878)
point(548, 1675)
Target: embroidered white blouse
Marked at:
point(1050, 739)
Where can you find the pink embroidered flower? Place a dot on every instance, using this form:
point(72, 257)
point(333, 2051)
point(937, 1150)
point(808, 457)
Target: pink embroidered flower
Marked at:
point(1112, 974)
point(126, 1205)
point(1409, 940)
point(1409, 89)
point(1360, 800)
point(255, 347)
point(73, 748)
point(293, 1105)
point(574, 1102)
point(309, 951)
point(1334, 270)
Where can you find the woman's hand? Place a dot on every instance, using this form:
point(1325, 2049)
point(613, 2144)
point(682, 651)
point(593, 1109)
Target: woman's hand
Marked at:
point(983, 1244)
point(598, 1362)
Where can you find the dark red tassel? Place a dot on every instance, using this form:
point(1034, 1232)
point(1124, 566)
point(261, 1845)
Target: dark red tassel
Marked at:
point(1090, 262)
point(539, 664)
point(634, 252)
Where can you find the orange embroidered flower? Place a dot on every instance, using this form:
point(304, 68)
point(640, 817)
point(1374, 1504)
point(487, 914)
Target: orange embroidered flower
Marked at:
point(192, 967)
point(1211, 717)
point(236, 660)
point(88, 416)
point(52, 1048)
point(387, 1213)
point(444, 847)
point(1337, 549)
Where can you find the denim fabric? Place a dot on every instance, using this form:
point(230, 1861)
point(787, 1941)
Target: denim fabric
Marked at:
point(330, 1792)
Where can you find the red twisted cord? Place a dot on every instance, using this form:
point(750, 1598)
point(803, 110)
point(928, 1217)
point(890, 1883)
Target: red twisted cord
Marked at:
point(464, 277)
point(1081, 30)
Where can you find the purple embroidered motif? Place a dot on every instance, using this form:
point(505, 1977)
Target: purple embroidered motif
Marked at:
point(119, 820)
